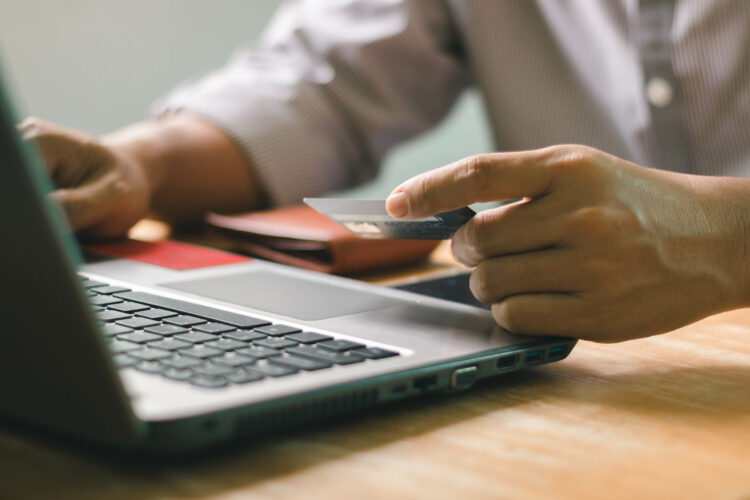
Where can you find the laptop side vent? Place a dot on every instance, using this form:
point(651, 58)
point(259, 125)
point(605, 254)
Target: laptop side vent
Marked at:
point(292, 413)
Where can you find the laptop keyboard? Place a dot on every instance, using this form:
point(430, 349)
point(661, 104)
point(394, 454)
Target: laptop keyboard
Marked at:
point(210, 347)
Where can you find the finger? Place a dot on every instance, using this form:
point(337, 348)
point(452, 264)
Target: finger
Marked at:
point(519, 227)
point(536, 272)
point(555, 314)
point(31, 128)
point(56, 144)
point(481, 178)
point(88, 204)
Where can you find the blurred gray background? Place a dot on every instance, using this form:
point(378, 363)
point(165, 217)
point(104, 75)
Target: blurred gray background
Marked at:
point(97, 65)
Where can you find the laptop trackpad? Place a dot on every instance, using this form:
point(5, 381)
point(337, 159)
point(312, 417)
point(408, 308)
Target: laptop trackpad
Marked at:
point(279, 293)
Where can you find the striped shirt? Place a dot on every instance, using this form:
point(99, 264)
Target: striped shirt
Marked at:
point(333, 84)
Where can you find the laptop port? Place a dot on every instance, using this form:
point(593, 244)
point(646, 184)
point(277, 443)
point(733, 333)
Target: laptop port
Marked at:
point(398, 389)
point(556, 352)
point(425, 383)
point(532, 357)
point(507, 362)
point(461, 378)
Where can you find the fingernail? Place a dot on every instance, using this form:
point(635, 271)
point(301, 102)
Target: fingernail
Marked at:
point(397, 204)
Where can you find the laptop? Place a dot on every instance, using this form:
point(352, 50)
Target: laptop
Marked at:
point(141, 357)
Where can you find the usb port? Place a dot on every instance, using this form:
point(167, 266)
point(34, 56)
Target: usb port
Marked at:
point(556, 352)
point(507, 362)
point(425, 383)
point(532, 357)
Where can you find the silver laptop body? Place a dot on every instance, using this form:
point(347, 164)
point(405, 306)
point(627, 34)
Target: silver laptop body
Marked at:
point(58, 371)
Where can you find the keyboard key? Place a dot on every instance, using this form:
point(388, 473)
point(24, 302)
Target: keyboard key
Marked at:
point(275, 343)
point(111, 329)
point(234, 359)
point(201, 351)
point(139, 337)
point(374, 353)
point(181, 362)
point(123, 360)
point(214, 328)
point(92, 284)
point(212, 369)
point(243, 377)
point(166, 329)
point(177, 374)
point(118, 346)
point(169, 344)
point(137, 322)
point(289, 361)
point(128, 307)
point(184, 320)
point(313, 352)
point(149, 366)
point(257, 351)
point(109, 316)
point(277, 330)
point(339, 345)
point(156, 313)
point(109, 289)
point(103, 300)
point(150, 354)
point(206, 312)
point(207, 381)
point(265, 368)
point(308, 337)
point(196, 337)
point(226, 344)
point(244, 335)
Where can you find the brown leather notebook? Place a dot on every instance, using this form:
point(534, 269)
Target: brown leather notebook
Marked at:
point(300, 236)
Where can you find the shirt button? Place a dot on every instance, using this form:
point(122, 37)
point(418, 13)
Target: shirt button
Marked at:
point(659, 92)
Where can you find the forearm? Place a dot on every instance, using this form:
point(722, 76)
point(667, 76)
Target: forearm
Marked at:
point(191, 166)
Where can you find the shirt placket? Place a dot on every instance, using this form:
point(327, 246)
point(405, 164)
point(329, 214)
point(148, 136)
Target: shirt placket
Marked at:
point(667, 140)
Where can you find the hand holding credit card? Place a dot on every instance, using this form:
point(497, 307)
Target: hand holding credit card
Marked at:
point(369, 219)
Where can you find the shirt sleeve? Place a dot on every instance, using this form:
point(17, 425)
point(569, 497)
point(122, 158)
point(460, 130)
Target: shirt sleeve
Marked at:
point(331, 85)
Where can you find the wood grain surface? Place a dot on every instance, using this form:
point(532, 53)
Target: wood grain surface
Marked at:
point(663, 417)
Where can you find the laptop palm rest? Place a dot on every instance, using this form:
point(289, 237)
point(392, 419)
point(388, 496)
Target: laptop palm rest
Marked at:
point(291, 296)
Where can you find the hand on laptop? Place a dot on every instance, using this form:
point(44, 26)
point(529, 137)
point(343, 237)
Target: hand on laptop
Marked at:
point(599, 248)
point(103, 191)
point(176, 168)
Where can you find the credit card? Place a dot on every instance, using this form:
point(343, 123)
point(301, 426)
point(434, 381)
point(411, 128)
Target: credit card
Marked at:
point(369, 219)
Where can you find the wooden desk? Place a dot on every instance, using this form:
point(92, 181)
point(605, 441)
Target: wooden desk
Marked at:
point(664, 417)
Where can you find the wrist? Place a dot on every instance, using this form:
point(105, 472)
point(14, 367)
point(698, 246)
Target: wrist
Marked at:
point(145, 146)
point(728, 202)
point(191, 167)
